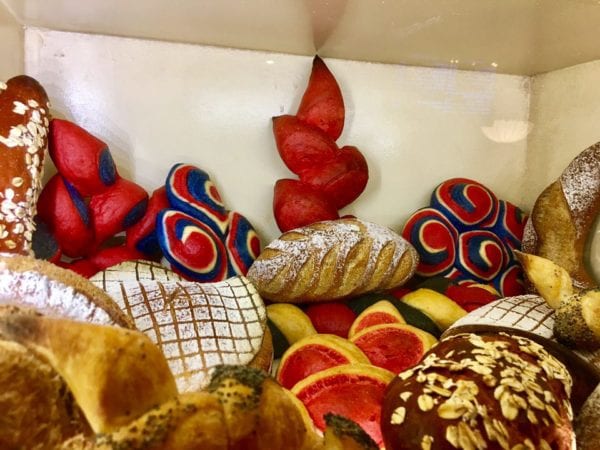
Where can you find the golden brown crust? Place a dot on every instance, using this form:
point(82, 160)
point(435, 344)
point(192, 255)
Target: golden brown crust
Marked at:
point(563, 216)
point(24, 122)
point(115, 374)
point(264, 358)
point(26, 281)
point(38, 411)
point(332, 260)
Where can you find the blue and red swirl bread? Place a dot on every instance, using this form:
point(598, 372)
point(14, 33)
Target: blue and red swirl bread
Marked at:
point(467, 233)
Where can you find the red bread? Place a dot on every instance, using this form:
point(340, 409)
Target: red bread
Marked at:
point(142, 235)
point(64, 211)
point(117, 208)
point(302, 146)
point(322, 104)
point(24, 120)
point(470, 391)
point(342, 179)
point(296, 204)
point(83, 159)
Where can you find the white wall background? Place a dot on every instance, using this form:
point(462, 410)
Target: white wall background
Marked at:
point(11, 45)
point(158, 103)
point(565, 111)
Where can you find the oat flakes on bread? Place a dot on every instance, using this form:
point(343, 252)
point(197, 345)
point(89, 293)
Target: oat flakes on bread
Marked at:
point(332, 260)
point(24, 122)
point(54, 291)
point(563, 215)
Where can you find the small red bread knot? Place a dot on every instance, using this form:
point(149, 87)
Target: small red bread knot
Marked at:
point(87, 203)
point(24, 121)
point(306, 143)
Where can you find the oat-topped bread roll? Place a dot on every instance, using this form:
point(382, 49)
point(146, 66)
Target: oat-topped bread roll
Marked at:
point(490, 391)
point(563, 216)
point(332, 260)
point(196, 325)
point(24, 121)
point(52, 290)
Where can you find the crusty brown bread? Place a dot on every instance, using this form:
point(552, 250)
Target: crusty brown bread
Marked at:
point(481, 391)
point(38, 411)
point(115, 374)
point(563, 216)
point(52, 290)
point(196, 325)
point(587, 423)
point(332, 260)
point(24, 122)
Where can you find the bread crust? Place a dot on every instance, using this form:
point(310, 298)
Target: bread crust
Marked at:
point(24, 122)
point(332, 260)
point(487, 391)
point(38, 411)
point(52, 290)
point(563, 216)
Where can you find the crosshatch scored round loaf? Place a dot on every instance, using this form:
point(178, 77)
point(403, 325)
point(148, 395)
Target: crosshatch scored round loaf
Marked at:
point(332, 260)
point(196, 325)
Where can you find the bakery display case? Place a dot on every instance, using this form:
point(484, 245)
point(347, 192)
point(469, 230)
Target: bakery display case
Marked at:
point(477, 116)
point(500, 92)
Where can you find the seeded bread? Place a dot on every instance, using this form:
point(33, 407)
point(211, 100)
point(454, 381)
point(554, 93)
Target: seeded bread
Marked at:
point(481, 391)
point(24, 121)
point(332, 260)
point(563, 215)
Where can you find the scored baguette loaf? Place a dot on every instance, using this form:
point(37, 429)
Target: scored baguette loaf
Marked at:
point(332, 260)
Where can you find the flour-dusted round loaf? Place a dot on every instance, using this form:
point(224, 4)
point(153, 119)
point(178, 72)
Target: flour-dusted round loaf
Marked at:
point(332, 260)
point(490, 391)
point(563, 216)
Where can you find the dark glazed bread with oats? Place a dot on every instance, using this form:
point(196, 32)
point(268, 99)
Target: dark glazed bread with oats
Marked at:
point(24, 121)
point(475, 391)
point(332, 260)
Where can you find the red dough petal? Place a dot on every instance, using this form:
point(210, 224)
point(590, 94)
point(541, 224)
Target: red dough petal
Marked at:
point(141, 236)
point(81, 158)
point(111, 256)
point(296, 204)
point(83, 267)
point(343, 179)
point(302, 146)
point(470, 297)
point(63, 210)
point(122, 205)
point(322, 104)
point(331, 318)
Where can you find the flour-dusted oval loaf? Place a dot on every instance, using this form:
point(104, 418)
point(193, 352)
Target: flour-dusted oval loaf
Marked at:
point(332, 260)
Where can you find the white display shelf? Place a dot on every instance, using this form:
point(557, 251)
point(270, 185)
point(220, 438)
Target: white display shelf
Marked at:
point(504, 92)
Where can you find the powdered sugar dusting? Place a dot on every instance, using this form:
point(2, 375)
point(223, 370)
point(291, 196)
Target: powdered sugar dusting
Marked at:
point(581, 185)
point(48, 296)
point(294, 248)
point(196, 325)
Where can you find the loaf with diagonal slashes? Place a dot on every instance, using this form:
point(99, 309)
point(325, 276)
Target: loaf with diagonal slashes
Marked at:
point(332, 260)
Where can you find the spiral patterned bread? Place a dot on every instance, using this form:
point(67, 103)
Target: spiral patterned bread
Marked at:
point(563, 216)
point(332, 260)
